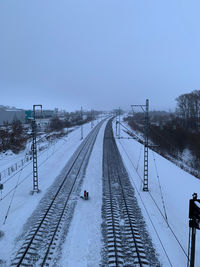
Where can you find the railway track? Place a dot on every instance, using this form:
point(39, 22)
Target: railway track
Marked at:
point(49, 221)
point(126, 240)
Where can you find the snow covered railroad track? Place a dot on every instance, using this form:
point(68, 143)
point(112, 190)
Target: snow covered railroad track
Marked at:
point(127, 242)
point(55, 210)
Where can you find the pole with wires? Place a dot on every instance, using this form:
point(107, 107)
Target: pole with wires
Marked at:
point(92, 117)
point(146, 143)
point(81, 123)
point(146, 146)
point(116, 125)
point(34, 151)
point(119, 123)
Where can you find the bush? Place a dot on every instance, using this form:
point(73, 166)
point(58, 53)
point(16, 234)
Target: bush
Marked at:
point(13, 137)
point(56, 124)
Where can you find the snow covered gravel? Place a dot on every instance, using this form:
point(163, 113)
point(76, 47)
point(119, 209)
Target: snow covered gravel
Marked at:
point(83, 243)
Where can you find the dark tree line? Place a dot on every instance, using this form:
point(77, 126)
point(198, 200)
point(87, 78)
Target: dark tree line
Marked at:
point(13, 137)
point(188, 109)
point(175, 132)
point(56, 124)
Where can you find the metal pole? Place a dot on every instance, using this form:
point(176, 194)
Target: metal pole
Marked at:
point(34, 150)
point(193, 247)
point(81, 123)
point(119, 123)
point(146, 145)
point(116, 124)
point(92, 119)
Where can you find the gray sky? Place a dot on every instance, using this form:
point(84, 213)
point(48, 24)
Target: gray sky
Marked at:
point(98, 54)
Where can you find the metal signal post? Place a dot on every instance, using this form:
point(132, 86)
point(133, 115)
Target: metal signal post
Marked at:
point(146, 143)
point(194, 223)
point(34, 150)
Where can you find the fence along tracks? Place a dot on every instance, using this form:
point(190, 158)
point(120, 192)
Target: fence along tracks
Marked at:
point(41, 241)
point(127, 241)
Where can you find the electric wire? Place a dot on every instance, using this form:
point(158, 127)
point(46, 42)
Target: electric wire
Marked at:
point(176, 238)
point(23, 158)
point(131, 132)
point(30, 162)
point(139, 157)
point(12, 197)
point(162, 197)
point(151, 221)
point(28, 175)
point(168, 142)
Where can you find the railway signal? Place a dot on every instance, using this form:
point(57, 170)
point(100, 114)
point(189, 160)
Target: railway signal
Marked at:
point(118, 122)
point(34, 151)
point(194, 223)
point(116, 128)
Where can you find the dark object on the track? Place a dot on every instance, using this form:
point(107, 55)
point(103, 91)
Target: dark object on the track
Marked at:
point(86, 195)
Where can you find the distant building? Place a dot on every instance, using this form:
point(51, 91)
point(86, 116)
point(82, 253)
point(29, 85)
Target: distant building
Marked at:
point(9, 114)
point(38, 114)
point(56, 112)
point(47, 113)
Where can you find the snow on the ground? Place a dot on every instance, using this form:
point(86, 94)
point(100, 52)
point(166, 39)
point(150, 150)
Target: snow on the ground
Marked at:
point(83, 244)
point(11, 162)
point(82, 247)
point(177, 187)
point(50, 165)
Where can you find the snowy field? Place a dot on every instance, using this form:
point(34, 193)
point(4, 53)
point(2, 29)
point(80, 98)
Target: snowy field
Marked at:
point(177, 187)
point(17, 205)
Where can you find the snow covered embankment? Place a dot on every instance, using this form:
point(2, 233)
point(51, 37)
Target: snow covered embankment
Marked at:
point(177, 188)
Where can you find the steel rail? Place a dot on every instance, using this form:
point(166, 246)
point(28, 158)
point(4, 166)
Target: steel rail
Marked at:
point(105, 167)
point(83, 148)
point(111, 161)
point(66, 202)
point(128, 213)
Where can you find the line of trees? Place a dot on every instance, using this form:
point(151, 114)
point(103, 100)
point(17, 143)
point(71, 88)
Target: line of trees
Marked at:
point(56, 124)
point(175, 133)
point(13, 137)
point(188, 109)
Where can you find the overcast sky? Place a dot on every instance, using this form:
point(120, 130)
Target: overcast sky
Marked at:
point(98, 54)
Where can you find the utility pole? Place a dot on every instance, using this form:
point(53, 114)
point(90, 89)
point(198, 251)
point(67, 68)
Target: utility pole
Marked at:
point(81, 123)
point(146, 146)
point(34, 150)
point(92, 119)
point(116, 125)
point(119, 123)
point(146, 143)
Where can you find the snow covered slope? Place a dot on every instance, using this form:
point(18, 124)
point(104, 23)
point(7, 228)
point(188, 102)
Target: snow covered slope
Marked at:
point(171, 241)
point(22, 202)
